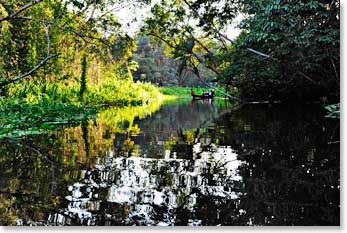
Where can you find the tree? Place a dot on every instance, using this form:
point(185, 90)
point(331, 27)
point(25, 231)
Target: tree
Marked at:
point(193, 32)
point(157, 67)
point(34, 32)
point(281, 51)
point(302, 38)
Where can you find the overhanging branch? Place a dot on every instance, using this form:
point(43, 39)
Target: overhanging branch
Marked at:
point(221, 34)
point(43, 62)
point(23, 8)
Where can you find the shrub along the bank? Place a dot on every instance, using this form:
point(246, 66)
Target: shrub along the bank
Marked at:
point(31, 108)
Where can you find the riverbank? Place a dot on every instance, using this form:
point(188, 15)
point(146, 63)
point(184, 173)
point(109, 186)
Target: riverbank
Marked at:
point(184, 92)
point(33, 108)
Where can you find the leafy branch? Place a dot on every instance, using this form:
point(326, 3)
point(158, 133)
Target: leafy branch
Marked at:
point(46, 26)
point(20, 10)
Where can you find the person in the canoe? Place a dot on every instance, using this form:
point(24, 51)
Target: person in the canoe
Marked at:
point(192, 93)
point(211, 93)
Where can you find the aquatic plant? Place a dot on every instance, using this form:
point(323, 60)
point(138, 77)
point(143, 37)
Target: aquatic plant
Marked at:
point(334, 110)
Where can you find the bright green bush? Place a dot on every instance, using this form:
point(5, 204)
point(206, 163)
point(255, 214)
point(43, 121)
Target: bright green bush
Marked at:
point(35, 107)
point(185, 91)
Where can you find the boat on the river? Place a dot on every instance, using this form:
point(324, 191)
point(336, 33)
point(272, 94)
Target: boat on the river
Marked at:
point(206, 96)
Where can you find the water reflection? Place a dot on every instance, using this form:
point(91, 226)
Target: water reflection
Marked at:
point(185, 164)
point(151, 190)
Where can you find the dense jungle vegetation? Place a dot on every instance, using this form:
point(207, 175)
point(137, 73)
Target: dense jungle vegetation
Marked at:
point(286, 49)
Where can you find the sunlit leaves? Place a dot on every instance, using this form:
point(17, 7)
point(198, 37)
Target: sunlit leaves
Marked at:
point(75, 26)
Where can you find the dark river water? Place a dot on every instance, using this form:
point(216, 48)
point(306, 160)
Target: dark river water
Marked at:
point(183, 163)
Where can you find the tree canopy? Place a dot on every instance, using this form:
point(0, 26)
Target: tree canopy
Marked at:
point(58, 32)
point(287, 49)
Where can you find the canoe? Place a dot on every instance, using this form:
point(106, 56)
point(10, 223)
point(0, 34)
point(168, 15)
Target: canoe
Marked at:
point(202, 96)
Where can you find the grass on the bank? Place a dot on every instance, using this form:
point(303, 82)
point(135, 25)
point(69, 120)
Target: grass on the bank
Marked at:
point(184, 92)
point(33, 108)
point(19, 118)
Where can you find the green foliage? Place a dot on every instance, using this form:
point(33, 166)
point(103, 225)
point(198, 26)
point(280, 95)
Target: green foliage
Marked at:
point(29, 110)
point(8, 215)
point(154, 66)
point(302, 38)
point(158, 67)
point(123, 48)
point(65, 89)
point(74, 28)
point(171, 24)
point(176, 91)
point(334, 110)
point(111, 91)
point(20, 118)
point(185, 91)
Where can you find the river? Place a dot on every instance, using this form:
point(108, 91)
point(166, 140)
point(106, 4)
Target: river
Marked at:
point(180, 163)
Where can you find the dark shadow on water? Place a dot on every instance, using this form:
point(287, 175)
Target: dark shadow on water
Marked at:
point(189, 163)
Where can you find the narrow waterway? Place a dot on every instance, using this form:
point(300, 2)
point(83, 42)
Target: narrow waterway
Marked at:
point(182, 163)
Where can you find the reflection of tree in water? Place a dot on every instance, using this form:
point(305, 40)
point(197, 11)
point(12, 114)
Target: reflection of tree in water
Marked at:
point(291, 171)
point(156, 191)
point(29, 179)
point(258, 165)
point(166, 127)
point(35, 169)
